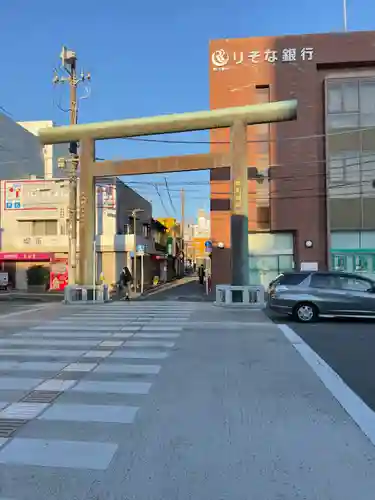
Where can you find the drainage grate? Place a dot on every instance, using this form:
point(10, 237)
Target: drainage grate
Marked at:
point(41, 397)
point(8, 426)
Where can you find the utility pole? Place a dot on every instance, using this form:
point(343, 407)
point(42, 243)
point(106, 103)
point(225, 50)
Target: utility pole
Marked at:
point(183, 228)
point(135, 211)
point(69, 64)
point(345, 14)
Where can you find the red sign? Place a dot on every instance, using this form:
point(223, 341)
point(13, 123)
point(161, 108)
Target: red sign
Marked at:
point(30, 256)
point(59, 274)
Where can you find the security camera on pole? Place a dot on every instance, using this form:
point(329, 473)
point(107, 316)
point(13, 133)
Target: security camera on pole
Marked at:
point(69, 65)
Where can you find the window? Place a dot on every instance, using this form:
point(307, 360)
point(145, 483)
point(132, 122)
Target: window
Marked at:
point(145, 230)
point(323, 281)
point(44, 228)
point(342, 120)
point(355, 284)
point(220, 174)
point(367, 97)
point(291, 279)
point(342, 96)
point(350, 97)
point(220, 204)
point(334, 98)
point(38, 227)
point(345, 167)
point(336, 170)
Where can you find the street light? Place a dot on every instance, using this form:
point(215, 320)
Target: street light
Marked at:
point(134, 212)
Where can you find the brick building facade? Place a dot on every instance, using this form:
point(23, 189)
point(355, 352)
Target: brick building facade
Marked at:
point(315, 203)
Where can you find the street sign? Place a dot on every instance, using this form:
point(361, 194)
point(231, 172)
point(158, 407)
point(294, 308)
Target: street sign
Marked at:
point(140, 249)
point(208, 246)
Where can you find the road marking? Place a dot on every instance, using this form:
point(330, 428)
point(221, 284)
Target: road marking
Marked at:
point(97, 386)
point(106, 414)
point(18, 313)
point(135, 354)
point(352, 404)
point(127, 369)
point(52, 453)
point(18, 383)
point(56, 385)
point(23, 411)
point(80, 367)
point(149, 343)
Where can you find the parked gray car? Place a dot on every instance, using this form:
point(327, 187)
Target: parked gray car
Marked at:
point(308, 296)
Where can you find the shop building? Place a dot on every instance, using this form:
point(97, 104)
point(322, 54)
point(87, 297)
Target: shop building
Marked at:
point(311, 181)
point(34, 226)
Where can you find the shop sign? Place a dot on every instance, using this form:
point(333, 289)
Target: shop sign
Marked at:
point(29, 256)
point(13, 196)
point(237, 195)
point(223, 60)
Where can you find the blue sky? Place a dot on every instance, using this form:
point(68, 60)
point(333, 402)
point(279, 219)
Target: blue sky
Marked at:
point(146, 58)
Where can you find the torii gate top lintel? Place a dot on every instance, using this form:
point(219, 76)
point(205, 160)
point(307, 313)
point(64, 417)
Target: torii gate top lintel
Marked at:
point(164, 124)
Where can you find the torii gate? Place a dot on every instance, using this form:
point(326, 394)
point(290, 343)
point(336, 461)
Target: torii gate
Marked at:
point(236, 118)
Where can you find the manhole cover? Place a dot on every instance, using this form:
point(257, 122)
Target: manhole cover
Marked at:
point(9, 426)
point(41, 397)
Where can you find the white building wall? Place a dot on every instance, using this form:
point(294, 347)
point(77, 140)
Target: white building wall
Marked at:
point(51, 153)
point(20, 151)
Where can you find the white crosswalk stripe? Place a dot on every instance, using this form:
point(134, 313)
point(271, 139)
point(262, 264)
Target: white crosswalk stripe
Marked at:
point(97, 365)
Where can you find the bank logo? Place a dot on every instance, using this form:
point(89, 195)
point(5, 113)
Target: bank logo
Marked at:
point(220, 58)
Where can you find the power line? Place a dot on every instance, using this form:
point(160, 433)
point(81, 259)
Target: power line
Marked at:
point(169, 196)
point(282, 139)
point(161, 199)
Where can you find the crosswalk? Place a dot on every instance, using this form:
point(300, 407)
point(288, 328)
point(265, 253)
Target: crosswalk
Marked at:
point(79, 376)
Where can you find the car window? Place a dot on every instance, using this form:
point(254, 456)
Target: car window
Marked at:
point(324, 281)
point(353, 283)
point(291, 279)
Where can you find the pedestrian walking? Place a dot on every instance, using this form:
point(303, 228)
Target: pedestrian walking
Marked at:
point(125, 282)
point(201, 273)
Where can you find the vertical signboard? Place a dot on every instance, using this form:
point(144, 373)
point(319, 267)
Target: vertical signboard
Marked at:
point(13, 196)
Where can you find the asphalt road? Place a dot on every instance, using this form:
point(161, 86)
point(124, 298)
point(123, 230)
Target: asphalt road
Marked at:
point(347, 346)
point(187, 292)
point(7, 307)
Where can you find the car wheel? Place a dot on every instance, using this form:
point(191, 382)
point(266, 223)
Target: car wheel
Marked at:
point(306, 313)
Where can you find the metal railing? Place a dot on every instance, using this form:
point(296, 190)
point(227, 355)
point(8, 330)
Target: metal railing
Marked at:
point(251, 296)
point(86, 294)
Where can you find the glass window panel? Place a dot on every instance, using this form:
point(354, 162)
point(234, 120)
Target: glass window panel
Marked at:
point(51, 227)
point(263, 132)
point(285, 262)
point(367, 97)
point(336, 169)
point(262, 94)
point(352, 172)
point(368, 120)
point(262, 148)
point(350, 96)
point(38, 228)
point(343, 120)
point(334, 97)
